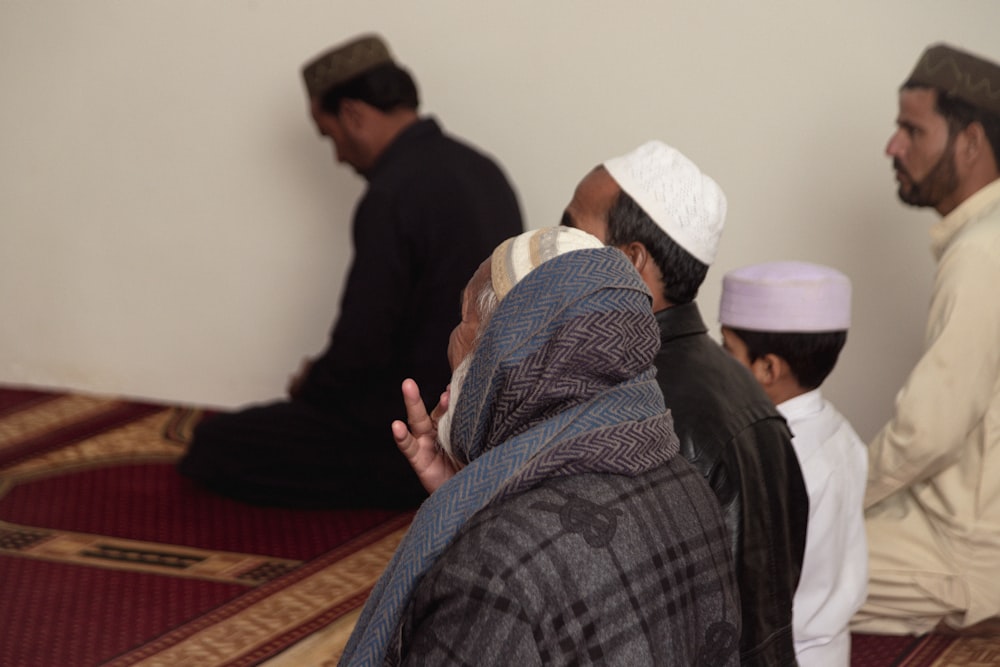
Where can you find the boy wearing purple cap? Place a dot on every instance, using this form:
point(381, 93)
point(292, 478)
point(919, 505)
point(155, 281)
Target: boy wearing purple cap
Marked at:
point(787, 322)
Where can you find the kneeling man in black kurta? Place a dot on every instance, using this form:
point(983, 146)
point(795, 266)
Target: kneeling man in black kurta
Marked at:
point(434, 207)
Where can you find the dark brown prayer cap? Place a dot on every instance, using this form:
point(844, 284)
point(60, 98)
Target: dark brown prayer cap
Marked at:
point(960, 74)
point(344, 62)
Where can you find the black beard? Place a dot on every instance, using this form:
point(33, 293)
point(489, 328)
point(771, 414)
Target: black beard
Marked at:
point(940, 182)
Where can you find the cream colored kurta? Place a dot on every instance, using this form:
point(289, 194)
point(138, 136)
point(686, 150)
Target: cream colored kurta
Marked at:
point(835, 568)
point(933, 494)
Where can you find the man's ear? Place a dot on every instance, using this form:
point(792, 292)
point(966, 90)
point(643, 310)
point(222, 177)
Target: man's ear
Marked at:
point(972, 136)
point(637, 254)
point(975, 145)
point(650, 273)
point(769, 369)
point(352, 114)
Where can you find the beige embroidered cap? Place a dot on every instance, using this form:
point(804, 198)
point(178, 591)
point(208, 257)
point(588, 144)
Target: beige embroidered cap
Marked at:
point(961, 74)
point(344, 62)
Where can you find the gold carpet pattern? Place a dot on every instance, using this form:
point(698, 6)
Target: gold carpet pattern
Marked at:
point(292, 613)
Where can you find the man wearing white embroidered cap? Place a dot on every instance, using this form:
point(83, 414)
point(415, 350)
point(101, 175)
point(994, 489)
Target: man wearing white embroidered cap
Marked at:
point(656, 206)
point(787, 322)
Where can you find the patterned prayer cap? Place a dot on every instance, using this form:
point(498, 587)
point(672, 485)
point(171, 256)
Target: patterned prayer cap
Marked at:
point(344, 62)
point(518, 256)
point(786, 297)
point(688, 205)
point(960, 74)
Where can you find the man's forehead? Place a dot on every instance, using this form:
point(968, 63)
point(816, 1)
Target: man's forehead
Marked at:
point(598, 182)
point(918, 101)
point(315, 109)
point(478, 279)
point(591, 174)
point(918, 110)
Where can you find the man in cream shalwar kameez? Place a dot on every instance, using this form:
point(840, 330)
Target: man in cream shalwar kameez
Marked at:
point(933, 496)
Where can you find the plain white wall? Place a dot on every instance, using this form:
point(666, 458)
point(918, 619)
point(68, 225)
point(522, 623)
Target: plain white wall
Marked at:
point(172, 228)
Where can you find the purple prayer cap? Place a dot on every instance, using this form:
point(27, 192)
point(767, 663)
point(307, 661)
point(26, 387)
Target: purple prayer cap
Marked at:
point(794, 297)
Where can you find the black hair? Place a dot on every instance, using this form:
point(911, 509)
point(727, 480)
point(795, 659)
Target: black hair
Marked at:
point(385, 87)
point(682, 273)
point(810, 356)
point(959, 114)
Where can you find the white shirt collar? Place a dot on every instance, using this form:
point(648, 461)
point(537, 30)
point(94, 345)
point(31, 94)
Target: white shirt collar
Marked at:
point(802, 406)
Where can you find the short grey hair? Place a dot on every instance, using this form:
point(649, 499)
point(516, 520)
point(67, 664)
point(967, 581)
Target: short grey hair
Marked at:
point(486, 305)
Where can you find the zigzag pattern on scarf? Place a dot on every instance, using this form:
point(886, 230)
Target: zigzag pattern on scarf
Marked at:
point(625, 449)
point(600, 289)
point(564, 373)
point(585, 357)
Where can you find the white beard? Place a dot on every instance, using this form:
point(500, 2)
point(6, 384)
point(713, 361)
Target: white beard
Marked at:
point(444, 424)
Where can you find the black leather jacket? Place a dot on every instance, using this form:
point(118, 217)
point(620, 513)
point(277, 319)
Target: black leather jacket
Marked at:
point(732, 433)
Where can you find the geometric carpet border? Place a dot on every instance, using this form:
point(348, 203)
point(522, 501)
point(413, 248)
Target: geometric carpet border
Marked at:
point(100, 416)
point(140, 556)
point(264, 621)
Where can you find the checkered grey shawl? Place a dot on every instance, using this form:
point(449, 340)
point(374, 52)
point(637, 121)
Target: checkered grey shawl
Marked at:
point(593, 569)
point(561, 384)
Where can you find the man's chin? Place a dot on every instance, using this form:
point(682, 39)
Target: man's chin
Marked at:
point(907, 195)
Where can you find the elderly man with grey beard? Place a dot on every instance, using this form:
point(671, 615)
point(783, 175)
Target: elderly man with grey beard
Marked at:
point(562, 526)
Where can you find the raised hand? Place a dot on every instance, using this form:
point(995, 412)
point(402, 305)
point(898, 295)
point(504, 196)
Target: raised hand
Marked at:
point(417, 439)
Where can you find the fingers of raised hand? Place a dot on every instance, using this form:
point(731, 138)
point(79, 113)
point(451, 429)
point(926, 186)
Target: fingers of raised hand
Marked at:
point(442, 407)
point(421, 424)
point(405, 441)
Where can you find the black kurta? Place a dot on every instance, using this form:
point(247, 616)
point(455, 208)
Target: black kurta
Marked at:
point(433, 211)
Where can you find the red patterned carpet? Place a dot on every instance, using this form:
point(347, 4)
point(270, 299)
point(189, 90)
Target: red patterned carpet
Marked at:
point(109, 557)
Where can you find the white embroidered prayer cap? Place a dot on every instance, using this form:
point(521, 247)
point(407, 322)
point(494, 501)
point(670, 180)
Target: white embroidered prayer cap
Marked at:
point(792, 297)
point(518, 256)
point(687, 204)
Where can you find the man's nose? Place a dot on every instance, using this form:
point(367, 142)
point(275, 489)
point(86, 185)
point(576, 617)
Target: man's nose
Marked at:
point(896, 145)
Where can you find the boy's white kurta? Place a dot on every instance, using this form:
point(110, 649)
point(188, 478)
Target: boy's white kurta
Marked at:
point(834, 462)
point(933, 494)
